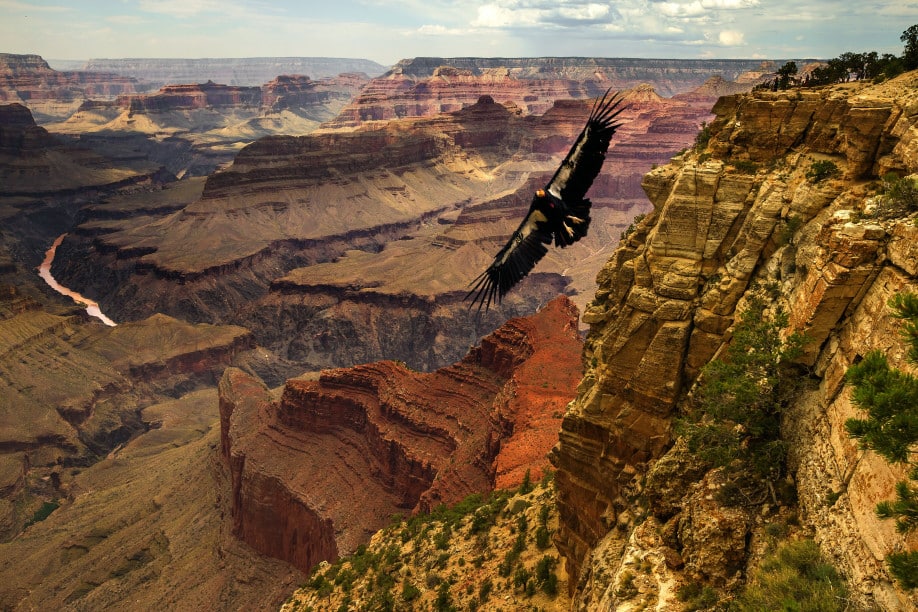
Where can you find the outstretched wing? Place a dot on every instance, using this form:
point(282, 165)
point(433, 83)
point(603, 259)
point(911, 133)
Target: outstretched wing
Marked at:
point(566, 218)
point(583, 162)
point(525, 248)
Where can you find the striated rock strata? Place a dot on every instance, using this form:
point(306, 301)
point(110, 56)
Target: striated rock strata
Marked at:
point(427, 86)
point(29, 80)
point(241, 71)
point(665, 306)
point(317, 471)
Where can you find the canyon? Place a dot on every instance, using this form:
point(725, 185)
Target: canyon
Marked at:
point(295, 362)
point(417, 208)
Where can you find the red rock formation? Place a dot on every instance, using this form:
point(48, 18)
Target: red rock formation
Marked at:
point(325, 466)
point(429, 86)
point(28, 78)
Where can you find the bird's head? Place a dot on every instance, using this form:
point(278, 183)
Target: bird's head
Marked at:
point(540, 193)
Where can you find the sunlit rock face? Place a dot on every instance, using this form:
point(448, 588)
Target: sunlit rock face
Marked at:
point(317, 472)
point(665, 306)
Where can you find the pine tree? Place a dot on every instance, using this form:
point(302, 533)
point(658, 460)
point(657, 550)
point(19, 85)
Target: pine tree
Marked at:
point(890, 398)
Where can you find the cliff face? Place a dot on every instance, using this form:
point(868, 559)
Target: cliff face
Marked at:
point(35, 163)
point(317, 472)
point(665, 306)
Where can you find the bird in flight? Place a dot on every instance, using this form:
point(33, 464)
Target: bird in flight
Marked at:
point(558, 213)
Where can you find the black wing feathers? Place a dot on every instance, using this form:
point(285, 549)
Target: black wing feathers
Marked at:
point(561, 214)
point(525, 248)
point(583, 162)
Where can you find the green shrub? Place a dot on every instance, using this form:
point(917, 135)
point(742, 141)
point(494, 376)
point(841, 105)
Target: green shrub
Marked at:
point(900, 197)
point(746, 167)
point(696, 596)
point(444, 600)
point(484, 591)
point(703, 137)
point(890, 398)
point(821, 170)
point(43, 512)
point(795, 577)
point(542, 538)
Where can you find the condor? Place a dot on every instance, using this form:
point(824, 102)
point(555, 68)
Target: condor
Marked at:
point(559, 213)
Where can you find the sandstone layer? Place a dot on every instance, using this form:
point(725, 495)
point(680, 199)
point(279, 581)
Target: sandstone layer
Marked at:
point(317, 471)
point(666, 304)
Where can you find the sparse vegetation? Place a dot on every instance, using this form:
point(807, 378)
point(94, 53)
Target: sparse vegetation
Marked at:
point(43, 512)
point(890, 398)
point(455, 558)
point(703, 137)
point(794, 577)
point(899, 197)
point(821, 170)
point(631, 227)
point(735, 420)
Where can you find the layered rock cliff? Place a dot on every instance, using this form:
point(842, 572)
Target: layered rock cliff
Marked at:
point(317, 471)
point(430, 85)
point(29, 80)
point(242, 71)
point(746, 209)
point(33, 163)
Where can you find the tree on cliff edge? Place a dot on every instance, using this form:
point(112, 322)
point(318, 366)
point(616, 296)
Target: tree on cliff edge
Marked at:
point(910, 53)
point(890, 398)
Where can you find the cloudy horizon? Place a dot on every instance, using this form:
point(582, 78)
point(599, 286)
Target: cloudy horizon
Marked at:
point(386, 31)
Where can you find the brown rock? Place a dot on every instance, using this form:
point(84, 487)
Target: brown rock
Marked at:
point(317, 472)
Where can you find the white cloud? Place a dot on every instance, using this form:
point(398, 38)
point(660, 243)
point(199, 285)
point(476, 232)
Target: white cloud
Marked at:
point(182, 8)
point(496, 16)
point(439, 30)
point(731, 38)
point(588, 12)
point(678, 9)
point(729, 4)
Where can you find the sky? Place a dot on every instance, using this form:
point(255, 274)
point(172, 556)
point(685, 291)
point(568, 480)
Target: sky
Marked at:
point(389, 30)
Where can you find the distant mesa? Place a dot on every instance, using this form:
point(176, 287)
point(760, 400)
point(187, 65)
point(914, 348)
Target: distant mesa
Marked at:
point(245, 71)
point(426, 86)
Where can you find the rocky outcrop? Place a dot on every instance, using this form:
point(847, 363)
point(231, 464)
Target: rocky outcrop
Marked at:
point(35, 163)
point(319, 470)
point(665, 306)
point(28, 77)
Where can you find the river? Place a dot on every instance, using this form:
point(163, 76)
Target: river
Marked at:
point(44, 270)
